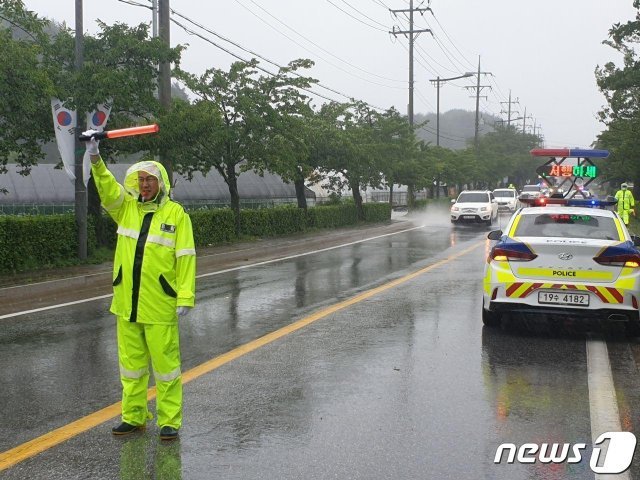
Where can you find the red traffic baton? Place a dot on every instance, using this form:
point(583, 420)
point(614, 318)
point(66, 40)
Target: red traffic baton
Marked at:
point(122, 132)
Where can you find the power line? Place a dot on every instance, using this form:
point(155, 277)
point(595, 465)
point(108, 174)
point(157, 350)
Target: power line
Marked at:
point(447, 52)
point(252, 53)
point(364, 15)
point(424, 52)
point(191, 32)
point(355, 18)
point(310, 41)
point(379, 2)
point(426, 67)
point(424, 99)
point(458, 139)
point(237, 45)
point(451, 41)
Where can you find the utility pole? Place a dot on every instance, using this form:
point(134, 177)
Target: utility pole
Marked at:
point(80, 189)
point(536, 126)
point(524, 121)
point(154, 18)
point(478, 88)
point(412, 35)
point(164, 82)
point(510, 102)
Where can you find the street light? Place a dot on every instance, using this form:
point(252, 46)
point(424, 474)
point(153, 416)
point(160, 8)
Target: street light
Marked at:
point(437, 83)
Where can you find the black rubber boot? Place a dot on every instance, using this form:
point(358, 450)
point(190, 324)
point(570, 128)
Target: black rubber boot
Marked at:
point(126, 428)
point(168, 433)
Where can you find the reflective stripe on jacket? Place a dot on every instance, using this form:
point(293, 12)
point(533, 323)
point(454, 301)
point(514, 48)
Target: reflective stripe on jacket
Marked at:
point(154, 264)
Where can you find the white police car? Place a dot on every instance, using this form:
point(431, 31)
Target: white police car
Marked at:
point(561, 260)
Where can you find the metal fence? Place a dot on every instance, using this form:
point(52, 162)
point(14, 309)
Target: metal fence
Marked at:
point(35, 209)
point(399, 198)
point(54, 209)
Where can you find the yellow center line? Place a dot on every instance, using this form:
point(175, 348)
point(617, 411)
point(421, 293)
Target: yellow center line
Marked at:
point(38, 445)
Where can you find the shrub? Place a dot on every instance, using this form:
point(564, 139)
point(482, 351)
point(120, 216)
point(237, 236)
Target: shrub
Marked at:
point(377, 212)
point(32, 242)
point(214, 226)
point(42, 241)
point(267, 222)
point(332, 216)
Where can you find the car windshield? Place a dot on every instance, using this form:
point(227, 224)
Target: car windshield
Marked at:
point(504, 193)
point(473, 198)
point(567, 225)
point(531, 188)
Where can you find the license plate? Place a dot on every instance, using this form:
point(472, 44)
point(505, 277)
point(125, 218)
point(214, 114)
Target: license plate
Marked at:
point(580, 299)
point(468, 217)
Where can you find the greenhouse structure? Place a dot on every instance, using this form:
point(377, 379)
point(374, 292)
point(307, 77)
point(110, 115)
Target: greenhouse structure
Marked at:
point(48, 190)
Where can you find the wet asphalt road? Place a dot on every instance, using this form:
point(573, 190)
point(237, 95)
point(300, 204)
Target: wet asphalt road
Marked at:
point(404, 384)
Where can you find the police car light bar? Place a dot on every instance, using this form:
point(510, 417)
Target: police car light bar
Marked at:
point(568, 202)
point(569, 152)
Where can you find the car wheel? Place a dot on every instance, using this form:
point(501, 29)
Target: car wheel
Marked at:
point(489, 318)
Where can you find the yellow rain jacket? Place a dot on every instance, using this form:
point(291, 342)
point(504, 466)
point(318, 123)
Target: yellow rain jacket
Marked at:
point(154, 265)
point(626, 204)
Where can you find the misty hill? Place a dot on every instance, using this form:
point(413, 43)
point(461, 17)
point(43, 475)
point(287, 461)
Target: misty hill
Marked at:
point(457, 127)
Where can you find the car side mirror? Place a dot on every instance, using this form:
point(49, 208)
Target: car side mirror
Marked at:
point(636, 240)
point(497, 234)
point(453, 200)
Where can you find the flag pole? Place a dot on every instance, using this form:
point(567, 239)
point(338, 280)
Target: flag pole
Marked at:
point(80, 188)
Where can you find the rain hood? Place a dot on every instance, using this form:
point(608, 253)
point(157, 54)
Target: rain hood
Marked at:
point(152, 168)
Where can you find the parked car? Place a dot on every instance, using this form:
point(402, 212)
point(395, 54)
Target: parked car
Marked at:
point(474, 206)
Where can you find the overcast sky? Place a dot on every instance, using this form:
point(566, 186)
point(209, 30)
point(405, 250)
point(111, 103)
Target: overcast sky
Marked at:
point(544, 52)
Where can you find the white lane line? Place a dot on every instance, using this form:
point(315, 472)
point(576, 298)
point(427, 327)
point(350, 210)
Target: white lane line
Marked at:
point(242, 267)
point(603, 404)
point(95, 274)
point(51, 307)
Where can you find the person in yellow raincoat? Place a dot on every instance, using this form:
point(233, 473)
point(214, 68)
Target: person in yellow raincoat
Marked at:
point(153, 285)
point(626, 203)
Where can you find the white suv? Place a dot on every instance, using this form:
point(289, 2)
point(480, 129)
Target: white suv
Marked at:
point(530, 191)
point(474, 206)
point(507, 199)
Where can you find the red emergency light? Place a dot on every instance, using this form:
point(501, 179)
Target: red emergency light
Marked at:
point(569, 152)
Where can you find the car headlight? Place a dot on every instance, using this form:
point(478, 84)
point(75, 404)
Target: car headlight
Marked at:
point(454, 209)
point(484, 209)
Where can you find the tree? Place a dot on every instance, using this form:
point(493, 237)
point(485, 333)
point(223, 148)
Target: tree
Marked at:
point(291, 133)
point(398, 147)
point(621, 88)
point(247, 115)
point(505, 152)
point(348, 150)
point(25, 108)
